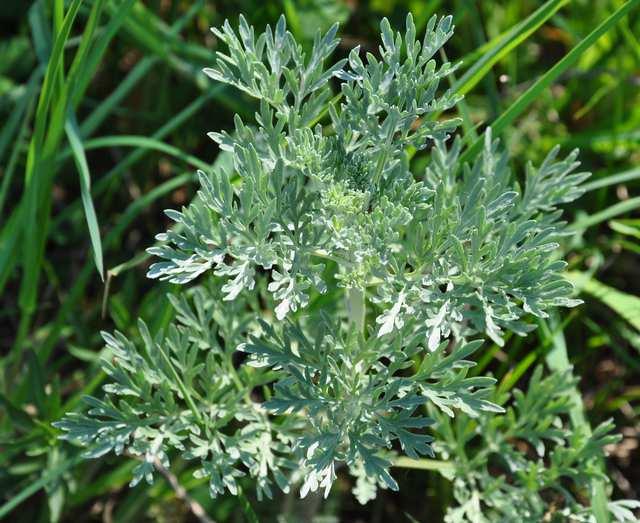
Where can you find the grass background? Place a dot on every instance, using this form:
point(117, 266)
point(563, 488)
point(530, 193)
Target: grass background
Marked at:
point(104, 110)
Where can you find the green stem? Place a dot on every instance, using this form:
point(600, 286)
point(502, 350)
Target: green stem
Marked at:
point(558, 361)
point(356, 308)
point(185, 393)
point(245, 504)
point(423, 464)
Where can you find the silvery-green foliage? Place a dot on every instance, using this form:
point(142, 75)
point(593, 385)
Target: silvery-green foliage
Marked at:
point(463, 247)
point(306, 195)
point(320, 205)
point(356, 405)
point(481, 252)
point(180, 391)
point(528, 464)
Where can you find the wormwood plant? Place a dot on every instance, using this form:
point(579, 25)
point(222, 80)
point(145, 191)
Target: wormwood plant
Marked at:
point(341, 295)
point(529, 465)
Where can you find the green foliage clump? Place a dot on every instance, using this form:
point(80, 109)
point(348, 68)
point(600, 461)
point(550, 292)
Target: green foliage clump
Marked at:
point(529, 465)
point(355, 288)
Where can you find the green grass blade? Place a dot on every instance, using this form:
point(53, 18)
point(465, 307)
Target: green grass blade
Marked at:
point(73, 134)
point(140, 29)
point(610, 212)
point(463, 110)
point(141, 69)
point(17, 115)
point(111, 239)
point(503, 46)
point(424, 464)
point(54, 65)
point(22, 112)
point(49, 477)
point(142, 142)
point(623, 177)
point(77, 70)
point(34, 208)
point(40, 31)
point(627, 306)
point(87, 60)
point(627, 227)
point(606, 140)
point(532, 94)
point(512, 377)
point(106, 107)
point(8, 248)
point(19, 418)
point(245, 504)
point(134, 156)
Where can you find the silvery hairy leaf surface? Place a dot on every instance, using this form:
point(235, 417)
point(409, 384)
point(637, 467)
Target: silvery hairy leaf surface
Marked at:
point(333, 296)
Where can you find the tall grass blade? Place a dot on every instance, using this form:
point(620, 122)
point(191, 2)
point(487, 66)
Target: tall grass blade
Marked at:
point(73, 134)
point(106, 106)
point(85, 63)
point(531, 94)
point(610, 212)
point(22, 113)
point(626, 305)
point(606, 181)
point(142, 142)
point(111, 239)
point(49, 477)
point(503, 46)
point(37, 176)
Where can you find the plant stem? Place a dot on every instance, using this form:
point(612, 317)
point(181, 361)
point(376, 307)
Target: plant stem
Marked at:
point(356, 308)
point(185, 393)
point(423, 464)
point(181, 493)
point(558, 361)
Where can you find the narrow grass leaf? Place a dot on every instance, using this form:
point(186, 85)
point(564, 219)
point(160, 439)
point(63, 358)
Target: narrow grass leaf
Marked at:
point(533, 93)
point(85, 64)
point(617, 209)
point(504, 45)
point(50, 476)
point(73, 134)
point(142, 142)
point(34, 208)
point(23, 112)
point(626, 305)
point(77, 66)
point(424, 464)
point(109, 104)
point(614, 179)
point(111, 239)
